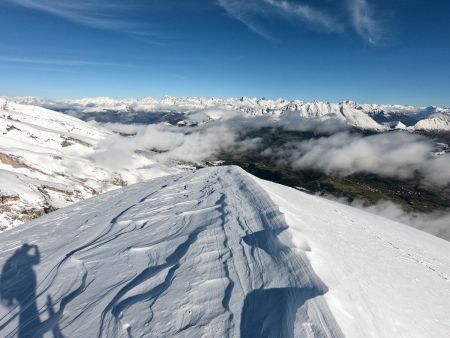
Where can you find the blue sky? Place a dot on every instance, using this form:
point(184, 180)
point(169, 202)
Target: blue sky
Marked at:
point(383, 51)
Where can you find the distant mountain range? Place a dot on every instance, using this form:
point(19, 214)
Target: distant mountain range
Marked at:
point(376, 117)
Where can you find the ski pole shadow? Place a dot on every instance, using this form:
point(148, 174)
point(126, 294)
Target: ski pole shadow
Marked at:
point(18, 285)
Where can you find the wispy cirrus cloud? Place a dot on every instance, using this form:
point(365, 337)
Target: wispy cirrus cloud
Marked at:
point(250, 13)
point(355, 14)
point(245, 12)
point(102, 14)
point(335, 17)
point(314, 17)
point(61, 62)
point(364, 21)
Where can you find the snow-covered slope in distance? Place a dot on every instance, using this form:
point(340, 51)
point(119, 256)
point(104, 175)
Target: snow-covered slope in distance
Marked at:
point(209, 254)
point(439, 121)
point(376, 117)
point(46, 163)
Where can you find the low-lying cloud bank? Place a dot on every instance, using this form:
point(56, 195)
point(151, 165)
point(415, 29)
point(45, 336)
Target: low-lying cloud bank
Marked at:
point(435, 223)
point(167, 143)
point(395, 155)
point(337, 152)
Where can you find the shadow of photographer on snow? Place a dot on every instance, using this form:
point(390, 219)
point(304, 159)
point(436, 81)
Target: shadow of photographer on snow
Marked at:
point(18, 288)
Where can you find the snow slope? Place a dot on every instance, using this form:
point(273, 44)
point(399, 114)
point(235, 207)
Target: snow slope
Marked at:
point(47, 162)
point(385, 279)
point(439, 121)
point(209, 254)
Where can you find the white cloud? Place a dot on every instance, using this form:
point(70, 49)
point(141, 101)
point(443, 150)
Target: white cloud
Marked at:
point(250, 12)
point(360, 18)
point(93, 13)
point(396, 155)
point(364, 22)
point(113, 15)
point(305, 13)
point(57, 62)
point(435, 223)
point(244, 12)
point(190, 144)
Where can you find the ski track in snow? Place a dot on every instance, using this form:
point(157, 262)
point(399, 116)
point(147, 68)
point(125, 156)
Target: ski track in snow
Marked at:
point(192, 255)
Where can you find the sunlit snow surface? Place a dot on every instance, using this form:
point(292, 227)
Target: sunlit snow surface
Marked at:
point(49, 160)
point(209, 254)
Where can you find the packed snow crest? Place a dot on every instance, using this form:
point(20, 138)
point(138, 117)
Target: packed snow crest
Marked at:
point(195, 255)
point(210, 254)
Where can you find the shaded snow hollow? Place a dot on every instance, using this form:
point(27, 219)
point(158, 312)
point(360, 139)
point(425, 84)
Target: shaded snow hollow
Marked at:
point(210, 254)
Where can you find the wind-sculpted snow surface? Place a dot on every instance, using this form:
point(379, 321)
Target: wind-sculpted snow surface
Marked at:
point(199, 254)
point(219, 253)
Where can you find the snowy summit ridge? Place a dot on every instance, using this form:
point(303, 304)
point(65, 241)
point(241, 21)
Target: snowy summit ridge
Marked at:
point(218, 252)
